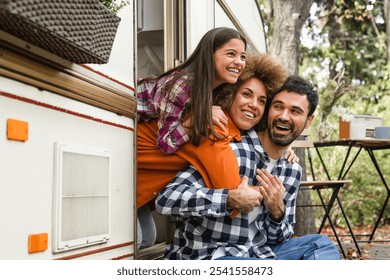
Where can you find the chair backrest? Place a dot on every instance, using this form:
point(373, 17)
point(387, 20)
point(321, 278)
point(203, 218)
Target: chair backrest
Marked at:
point(303, 141)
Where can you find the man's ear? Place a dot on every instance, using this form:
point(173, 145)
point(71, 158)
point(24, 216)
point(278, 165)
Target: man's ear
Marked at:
point(309, 121)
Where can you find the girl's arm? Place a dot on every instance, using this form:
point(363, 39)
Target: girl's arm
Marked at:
point(172, 132)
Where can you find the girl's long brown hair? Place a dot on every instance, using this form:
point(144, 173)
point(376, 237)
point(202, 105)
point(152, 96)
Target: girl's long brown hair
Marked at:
point(200, 65)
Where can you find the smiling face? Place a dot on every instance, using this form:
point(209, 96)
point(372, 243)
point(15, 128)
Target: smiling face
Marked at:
point(287, 117)
point(229, 61)
point(248, 106)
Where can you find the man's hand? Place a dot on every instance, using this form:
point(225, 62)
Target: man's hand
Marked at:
point(273, 191)
point(243, 198)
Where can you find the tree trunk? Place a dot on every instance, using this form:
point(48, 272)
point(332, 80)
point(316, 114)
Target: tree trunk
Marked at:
point(289, 17)
point(305, 222)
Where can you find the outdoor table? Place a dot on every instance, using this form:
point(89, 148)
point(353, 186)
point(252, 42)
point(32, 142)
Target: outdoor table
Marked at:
point(369, 145)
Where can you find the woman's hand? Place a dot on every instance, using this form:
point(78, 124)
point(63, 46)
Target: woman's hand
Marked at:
point(291, 156)
point(219, 117)
point(244, 198)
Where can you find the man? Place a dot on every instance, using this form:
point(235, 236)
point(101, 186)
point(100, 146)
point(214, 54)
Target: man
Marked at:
point(262, 230)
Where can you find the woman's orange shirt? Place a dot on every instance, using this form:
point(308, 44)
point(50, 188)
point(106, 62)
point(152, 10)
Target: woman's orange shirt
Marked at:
point(214, 160)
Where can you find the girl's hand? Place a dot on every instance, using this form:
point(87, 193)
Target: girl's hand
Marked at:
point(291, 156)
point(219, 117)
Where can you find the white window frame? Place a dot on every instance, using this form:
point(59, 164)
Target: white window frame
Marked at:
point(61, 149)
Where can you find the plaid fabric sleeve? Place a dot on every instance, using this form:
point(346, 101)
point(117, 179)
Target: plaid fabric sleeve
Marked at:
point(171, 134)
point(154, 102)
point(187, 196)
point(284, 230)
point(147, 108)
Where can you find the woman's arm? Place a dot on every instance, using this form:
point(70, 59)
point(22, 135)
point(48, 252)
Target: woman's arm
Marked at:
point(215, 159)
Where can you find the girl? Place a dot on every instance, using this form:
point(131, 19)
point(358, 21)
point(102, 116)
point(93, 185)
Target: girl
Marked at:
point(177, 107)
point(181, 99)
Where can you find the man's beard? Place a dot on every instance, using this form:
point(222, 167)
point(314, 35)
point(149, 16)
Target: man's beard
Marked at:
point(283, 140)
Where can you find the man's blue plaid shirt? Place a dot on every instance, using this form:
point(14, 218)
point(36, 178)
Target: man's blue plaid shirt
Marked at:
point(205, 230)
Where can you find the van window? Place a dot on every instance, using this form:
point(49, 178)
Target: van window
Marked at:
point(82, 184)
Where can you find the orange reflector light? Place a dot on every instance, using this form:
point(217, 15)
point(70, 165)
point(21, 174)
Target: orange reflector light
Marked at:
point(17, 130)
point(37, 242)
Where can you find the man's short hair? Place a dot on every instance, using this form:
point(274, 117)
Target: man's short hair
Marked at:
point(299, 85)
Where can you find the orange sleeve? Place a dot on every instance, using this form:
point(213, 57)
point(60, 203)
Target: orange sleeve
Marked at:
point(155, 169)
point(215, 160)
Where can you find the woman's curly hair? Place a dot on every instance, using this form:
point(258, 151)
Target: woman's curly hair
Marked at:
point(261, 66)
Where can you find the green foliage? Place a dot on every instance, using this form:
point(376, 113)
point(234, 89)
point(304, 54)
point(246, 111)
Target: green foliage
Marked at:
point(348, 36)
point(115, 5)
point(356, 44)
point(266, 7)
point(364, 198)
point(338, 92)
point(352, 38)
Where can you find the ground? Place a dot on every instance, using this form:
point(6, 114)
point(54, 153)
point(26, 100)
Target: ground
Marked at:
point(373, 250)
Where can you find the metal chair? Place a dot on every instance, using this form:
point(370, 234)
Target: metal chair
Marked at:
point(319, 186)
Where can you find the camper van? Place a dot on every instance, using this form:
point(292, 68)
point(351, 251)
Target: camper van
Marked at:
point(68, 130)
